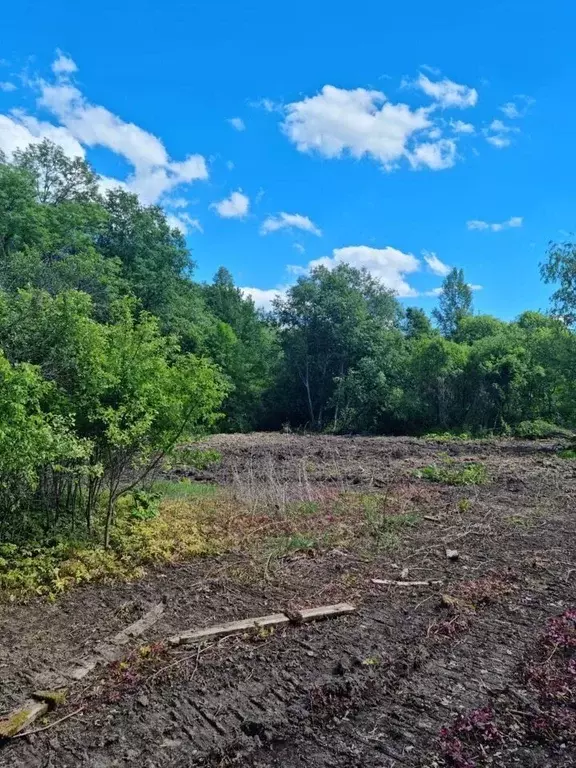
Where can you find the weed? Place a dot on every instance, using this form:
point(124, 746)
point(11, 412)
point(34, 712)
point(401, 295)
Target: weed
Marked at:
point(569, 453)
point(447, 437)
point(284, 546)
point(196, 458)
point(452, 473)
point(470, 733)
point(464, 505)
point(383, 523)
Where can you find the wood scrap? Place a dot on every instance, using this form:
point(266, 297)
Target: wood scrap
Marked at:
point(273, 620)
point(22, 717)
point(230, 628)
point(393, 583)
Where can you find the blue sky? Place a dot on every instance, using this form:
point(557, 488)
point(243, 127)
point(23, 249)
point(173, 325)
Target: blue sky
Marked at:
point(406, 138)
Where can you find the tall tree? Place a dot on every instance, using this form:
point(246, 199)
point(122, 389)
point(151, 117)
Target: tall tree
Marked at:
point(560, 267)
point(455, 303)
point(328, 322)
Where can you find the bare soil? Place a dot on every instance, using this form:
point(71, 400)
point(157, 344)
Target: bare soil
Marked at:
point(372, 689)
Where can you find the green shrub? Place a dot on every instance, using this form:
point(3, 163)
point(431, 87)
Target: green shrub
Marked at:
point(451, 473)
point(540, 430)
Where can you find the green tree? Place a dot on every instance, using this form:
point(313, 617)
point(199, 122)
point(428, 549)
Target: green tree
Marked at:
point(455, 303)
point(560, 268)
point(328, 322)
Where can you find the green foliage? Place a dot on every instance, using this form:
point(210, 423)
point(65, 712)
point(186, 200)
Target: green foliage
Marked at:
point(569, 453)
point(540, 430)
point(455, 303)
point(112, 357)
point(452, 473)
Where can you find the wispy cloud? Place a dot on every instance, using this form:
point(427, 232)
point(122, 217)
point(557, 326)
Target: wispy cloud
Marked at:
point(499, 134)
point(435, 265)
point(7, 86)
point(448, 93)
point(289, 221)
point(518, 107)
point(80, 124)
point(511, 223)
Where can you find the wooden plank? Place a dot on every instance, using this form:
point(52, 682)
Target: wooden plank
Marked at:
point(323, 612)
point(231, 628)
point(139, 627)
point(392, 583)
point(22, 717)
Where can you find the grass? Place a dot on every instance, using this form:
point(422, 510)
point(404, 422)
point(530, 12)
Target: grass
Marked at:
point(172, 521)
point(569, 453)
point(182, 489)
point(452, 473)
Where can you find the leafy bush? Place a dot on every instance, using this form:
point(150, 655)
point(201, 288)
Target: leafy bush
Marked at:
point(175, 533)
point(451, 473)
point(540, 430)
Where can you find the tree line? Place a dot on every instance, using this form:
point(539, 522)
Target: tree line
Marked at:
point(111, 354)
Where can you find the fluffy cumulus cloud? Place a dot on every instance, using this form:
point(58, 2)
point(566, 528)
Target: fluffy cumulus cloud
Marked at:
point(80, 124)
point(447, 93)
point(435, 265)
point(357, 122)
point(364, 123)
point(234, 207)
point(237, 123)
point(289, 221)
point(512, 223)
point(389, 265)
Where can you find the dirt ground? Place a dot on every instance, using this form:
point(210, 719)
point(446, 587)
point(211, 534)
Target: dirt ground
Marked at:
point(473, 672)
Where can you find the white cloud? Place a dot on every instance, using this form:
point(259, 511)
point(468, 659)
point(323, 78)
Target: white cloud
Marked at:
point(299, 247)
point(7, 87)
point(268, 105)
point(459, 126)
point(81, 124)
point(517, 108)
point(389, 265)
point(289, 221)
point(448, 93)
point(434, 155)
point(237, 123)
point(63, 65)
point(439, 291)
point(230, 165)
point(183, 222)
point(498, 134)
point(176, 202)
point(500, 142)
point(435, 265)
point(20, 130)
point(234, 207)
point(364, 123)
point(512, 223)
point(264, 297)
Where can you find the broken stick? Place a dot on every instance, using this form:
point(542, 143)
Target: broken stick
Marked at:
point(392, 583)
